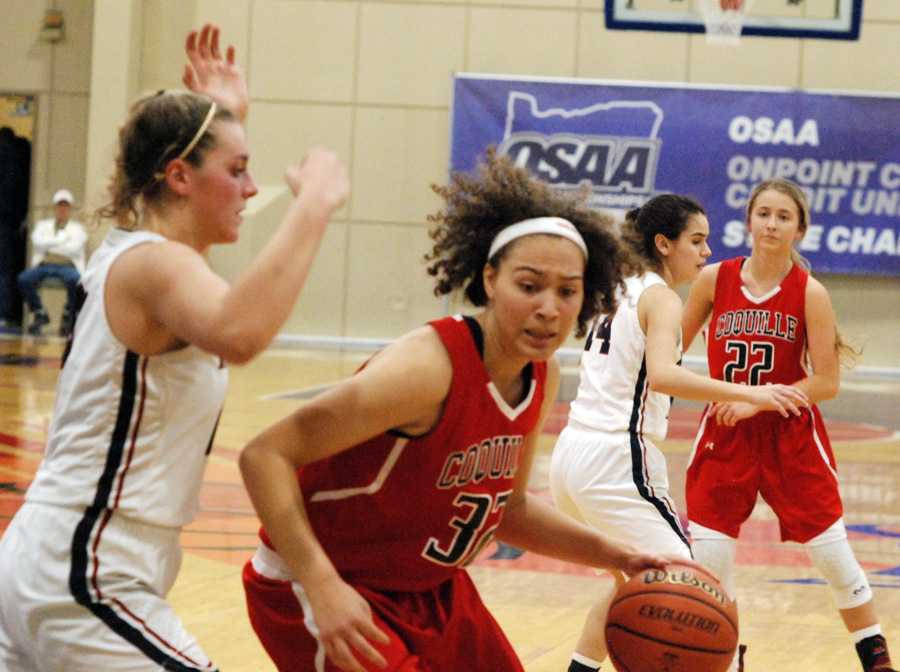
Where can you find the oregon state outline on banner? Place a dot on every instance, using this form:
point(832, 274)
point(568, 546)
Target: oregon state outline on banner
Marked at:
point(630, 141)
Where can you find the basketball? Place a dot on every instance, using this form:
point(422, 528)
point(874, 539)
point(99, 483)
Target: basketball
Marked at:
point(677, 619)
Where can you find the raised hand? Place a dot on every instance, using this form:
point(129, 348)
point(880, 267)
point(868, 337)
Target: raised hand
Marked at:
point(210, 74)
point(322, 177)
point(346, 628)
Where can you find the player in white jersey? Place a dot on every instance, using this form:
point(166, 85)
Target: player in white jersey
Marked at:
point(87, 560)
point(605, 468)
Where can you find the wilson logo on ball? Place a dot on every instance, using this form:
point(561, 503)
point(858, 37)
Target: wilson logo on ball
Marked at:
point(685, 578)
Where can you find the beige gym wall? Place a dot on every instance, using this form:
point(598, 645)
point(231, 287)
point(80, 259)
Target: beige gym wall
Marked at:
point(59, 76)
point(372, 79)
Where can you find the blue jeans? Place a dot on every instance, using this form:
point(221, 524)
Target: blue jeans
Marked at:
point(31, 280)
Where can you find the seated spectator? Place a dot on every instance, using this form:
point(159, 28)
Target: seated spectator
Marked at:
point(57, 251)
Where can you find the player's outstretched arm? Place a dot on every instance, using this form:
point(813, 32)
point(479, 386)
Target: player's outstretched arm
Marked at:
point(533, 524)
point(660, 313)
point(173, 286)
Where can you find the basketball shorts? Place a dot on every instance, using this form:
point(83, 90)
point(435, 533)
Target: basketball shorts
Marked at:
point(445, 629)
point(618, 484)
point(120, 571)
point(788, 461)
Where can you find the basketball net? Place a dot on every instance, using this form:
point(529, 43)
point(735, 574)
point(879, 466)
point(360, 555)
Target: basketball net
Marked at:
point(724, 20)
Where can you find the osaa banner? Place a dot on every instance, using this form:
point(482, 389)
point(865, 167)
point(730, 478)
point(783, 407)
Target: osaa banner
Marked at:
point(632, 141)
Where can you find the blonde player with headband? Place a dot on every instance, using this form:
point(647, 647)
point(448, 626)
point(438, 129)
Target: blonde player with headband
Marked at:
point(408, 468)
point(605, 468)
point(87, 561)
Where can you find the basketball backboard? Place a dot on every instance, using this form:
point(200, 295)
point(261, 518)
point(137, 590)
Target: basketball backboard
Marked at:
point(823, 19)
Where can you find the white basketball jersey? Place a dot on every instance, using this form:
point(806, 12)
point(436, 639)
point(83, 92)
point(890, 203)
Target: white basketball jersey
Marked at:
point(130, 433)
point(614, 394)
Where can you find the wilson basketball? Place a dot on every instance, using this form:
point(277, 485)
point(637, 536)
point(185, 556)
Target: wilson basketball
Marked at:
point(677, 619)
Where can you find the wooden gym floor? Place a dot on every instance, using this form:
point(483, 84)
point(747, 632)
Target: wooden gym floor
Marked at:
point(786, 613)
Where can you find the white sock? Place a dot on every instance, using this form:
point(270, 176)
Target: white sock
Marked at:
point(871, 631)
point(584, 660)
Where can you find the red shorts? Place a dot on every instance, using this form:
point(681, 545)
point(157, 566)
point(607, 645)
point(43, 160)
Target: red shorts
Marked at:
point(445, 629)
point(787, 460)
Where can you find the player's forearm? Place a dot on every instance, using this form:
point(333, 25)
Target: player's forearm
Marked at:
point(261, 299)
point(819, 387)
point(537, 526)
point(271, 483)
point(671, 379)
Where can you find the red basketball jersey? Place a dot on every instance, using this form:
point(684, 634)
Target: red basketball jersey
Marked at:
point(403, 513)
point(757, 340)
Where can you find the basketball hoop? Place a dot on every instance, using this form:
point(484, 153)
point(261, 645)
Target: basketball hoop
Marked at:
point(724, 20)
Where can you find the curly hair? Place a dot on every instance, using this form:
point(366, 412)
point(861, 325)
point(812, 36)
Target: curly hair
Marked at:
point(478, 206)
point(159, 126)
point(666, 214)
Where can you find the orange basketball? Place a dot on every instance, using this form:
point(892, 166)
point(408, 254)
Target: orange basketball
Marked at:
point(677, 619)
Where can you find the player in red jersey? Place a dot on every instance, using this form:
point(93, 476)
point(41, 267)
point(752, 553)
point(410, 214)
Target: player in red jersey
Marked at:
point(771, 322)
point(408, 468)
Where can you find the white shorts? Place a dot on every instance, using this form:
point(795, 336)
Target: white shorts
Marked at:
point(52, 558)
point(619, 485)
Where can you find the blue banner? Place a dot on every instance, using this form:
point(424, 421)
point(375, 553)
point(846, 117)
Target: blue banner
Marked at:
point(633, 141)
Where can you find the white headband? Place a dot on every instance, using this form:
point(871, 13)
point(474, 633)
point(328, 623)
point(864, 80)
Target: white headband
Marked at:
point(552, 226)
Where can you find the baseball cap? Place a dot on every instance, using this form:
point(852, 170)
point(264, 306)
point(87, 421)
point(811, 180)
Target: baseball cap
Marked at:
point(63, 195)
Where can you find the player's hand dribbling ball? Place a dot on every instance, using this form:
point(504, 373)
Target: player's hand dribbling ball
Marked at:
point(677, 619)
